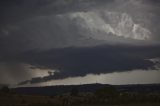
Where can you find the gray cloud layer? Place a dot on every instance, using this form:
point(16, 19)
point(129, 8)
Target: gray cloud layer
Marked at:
point(78, 37)
point(71, 62)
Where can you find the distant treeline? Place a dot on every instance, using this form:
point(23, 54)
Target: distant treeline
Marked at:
point(104, 95)
point(56, 90)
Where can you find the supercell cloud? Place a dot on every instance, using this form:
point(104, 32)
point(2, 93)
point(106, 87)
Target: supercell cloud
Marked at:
point(76, 37)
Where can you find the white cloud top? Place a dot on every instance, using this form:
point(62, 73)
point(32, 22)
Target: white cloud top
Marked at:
point(100, 24)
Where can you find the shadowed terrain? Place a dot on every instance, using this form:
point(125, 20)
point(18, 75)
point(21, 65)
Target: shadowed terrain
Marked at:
point(82, 95)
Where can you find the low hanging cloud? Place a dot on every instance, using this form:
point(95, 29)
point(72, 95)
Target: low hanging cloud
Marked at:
point(73, 62)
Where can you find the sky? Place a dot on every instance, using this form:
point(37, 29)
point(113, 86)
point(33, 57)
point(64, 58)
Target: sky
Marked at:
point(63, 42)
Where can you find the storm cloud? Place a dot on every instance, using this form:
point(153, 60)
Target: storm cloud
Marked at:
point(72, 62)
point(77, 37)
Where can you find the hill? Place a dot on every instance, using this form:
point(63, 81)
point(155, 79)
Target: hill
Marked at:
point(61, 89)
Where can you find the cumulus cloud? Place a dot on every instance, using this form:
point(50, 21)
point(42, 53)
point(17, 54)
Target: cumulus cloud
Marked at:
point(104, 23)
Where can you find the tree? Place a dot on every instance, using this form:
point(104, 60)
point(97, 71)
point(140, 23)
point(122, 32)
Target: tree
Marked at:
point(5, 89)
point(108, 92)
point(74, 92)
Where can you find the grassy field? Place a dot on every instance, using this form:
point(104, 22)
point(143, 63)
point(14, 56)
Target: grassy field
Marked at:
point(107, 96)
point(30, 100)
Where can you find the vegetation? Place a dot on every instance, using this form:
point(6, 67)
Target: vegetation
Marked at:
point(106, 96)
point(5, 89)
point(74, 92)
point(109, 92)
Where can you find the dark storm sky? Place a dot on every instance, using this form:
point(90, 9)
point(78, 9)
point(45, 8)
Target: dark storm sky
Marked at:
point(77, 37)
